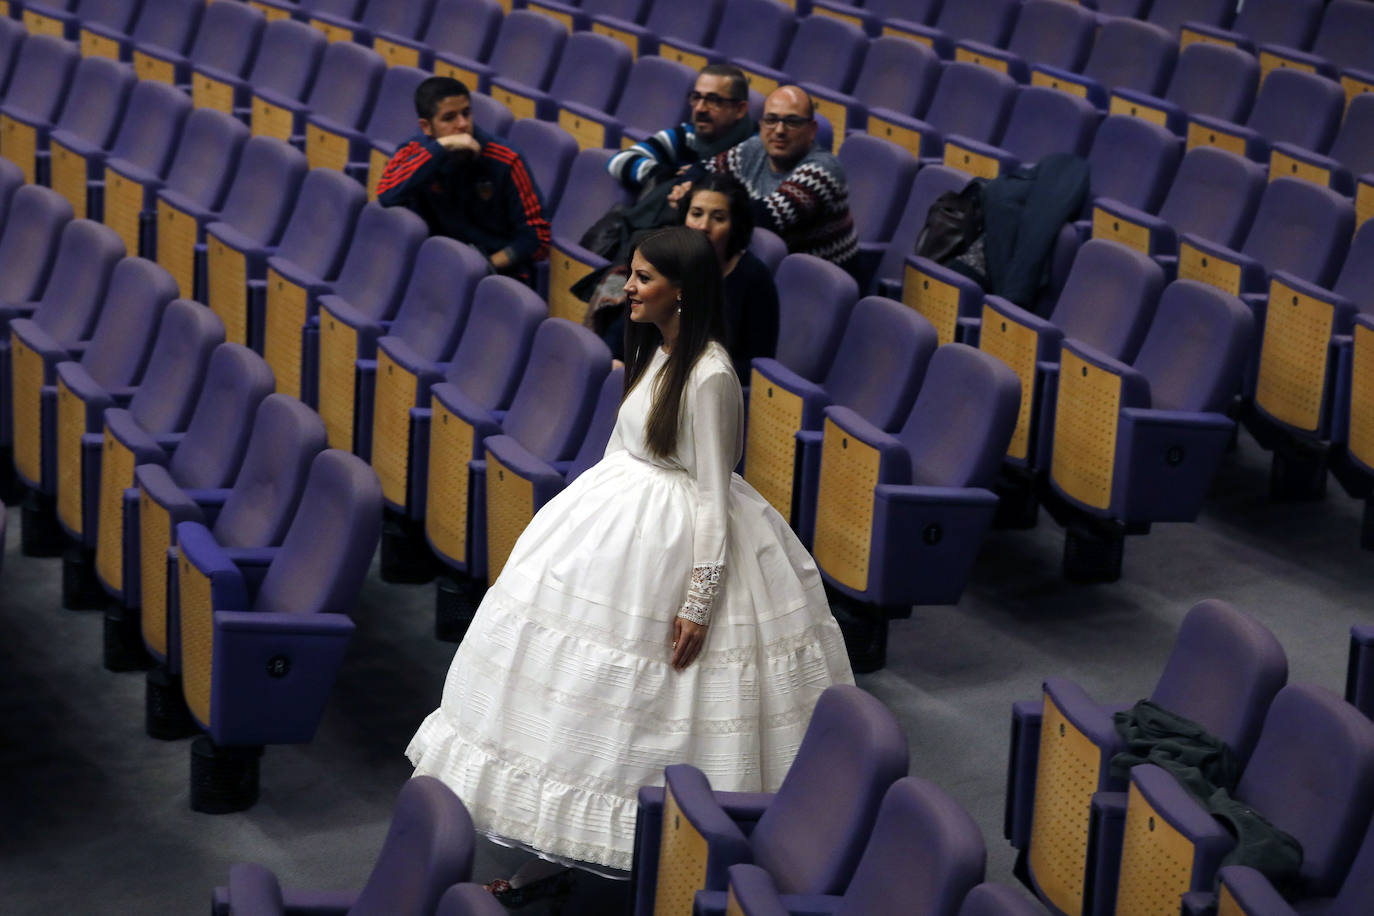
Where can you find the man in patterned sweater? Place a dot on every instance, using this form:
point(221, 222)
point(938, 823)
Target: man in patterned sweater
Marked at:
point(799, 191)
point(467, 184)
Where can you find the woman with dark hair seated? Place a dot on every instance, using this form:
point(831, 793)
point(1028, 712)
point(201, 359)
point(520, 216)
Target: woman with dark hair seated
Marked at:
point(719, 206)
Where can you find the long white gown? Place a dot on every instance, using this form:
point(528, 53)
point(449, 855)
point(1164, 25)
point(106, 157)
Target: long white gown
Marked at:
point(561, 701)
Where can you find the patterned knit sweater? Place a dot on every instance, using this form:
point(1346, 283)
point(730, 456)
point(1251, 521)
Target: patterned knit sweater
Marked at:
point(808, 206)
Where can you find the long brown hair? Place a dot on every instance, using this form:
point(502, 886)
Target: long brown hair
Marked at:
point(687, 260)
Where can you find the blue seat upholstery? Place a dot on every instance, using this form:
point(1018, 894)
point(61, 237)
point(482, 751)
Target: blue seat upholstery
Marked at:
point(166, 24)
point(38, 89)
point(823, 52)
point(66, 307)
point(271, 639)
point(924, 856)
point(428, 320)
point(591, 73)
point(226, 40)
point(808, 836)
point(655, 93)
point(284, 59)
point(591, 192)
point(991, 23)
point(1292, 23)
point(893, 276)
point(990, 899)
point(337, 100)
point(548, 151)
point(970, 101)
point(1350, 158)
point(1343, 48)
point(1222, 673)
point(462, 28)
point(95, 104)
point(1128, 54)
point(1047, 32)
point(694, 23)
point(526, 50)
point(390, 125)
point(92, 473)
point(320, 205)
point(548, 415)
point(1294, 107)
point(403, 18)
point(1041, 122)
point(757, 29)
point(897, 77)
point(137, 164)
point(1210, 79)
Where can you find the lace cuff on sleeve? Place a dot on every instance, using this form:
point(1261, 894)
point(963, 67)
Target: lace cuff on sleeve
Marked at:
point(701, 594)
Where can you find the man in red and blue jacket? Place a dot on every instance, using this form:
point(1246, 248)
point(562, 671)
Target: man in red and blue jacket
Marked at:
point(466, 183)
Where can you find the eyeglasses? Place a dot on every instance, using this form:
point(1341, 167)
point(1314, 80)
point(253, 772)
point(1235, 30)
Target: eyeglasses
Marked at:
point(791, 122)
point(711, 99)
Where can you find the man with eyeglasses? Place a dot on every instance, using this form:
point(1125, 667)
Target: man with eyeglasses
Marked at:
point(719, 103)
point(799, 191)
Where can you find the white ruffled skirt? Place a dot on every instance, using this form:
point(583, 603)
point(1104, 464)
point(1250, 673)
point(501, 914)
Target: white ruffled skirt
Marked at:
point(561, 701)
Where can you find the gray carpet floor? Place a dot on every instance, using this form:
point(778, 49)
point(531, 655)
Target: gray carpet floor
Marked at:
point(94, 815)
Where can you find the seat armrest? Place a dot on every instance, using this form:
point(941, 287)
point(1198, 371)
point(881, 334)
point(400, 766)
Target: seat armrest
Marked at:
point(1106, 828)
point(1070, 82)
point(1150, 108)
point(814, 397)
point(253, 889)
point(726, 843)
point(1253, 892)
point(925, 542)
point(1219, 266)
point(1022, 763)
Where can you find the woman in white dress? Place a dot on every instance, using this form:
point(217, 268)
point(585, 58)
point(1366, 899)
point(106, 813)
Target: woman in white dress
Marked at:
point(657, 611)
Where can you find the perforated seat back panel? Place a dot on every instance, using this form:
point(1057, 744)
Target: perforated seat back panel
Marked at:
point(844, 507)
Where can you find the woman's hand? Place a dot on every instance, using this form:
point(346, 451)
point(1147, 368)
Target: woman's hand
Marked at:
point(688, 639)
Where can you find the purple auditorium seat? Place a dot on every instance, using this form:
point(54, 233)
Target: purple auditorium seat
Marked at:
point(816, 299)
point(1127, 54)
point(1354, 464)
point(576, 15)
point(969, 101)
point(11, 180)
point(1306, 364)
point(591, 191)
point(289, 59)
point(1171, 426)
point(1132, 162)
point(1108, 302)
point(527, 49)
point(428, 322)
point(12, 35)
point(370, 278)
point(990, 899)
point(464, 28)
point(208, 166)
point(940, 294)
point(1222, 673)
point(284, 58)
point(909, 532)
point(402, 18)
point(655, 93)
point(341, 105)
point(757, 29)
point(1214, 195)
point(206, 456)
point(1343, 48)
point(340, 99)
point(666, 20)
point(989, 22)
point(1293, 107)
point(591, 73)
point(428, 848)
point(924, 856)
point(138, 162)
point(1311, 776)
point(768, 247)
point(809, 836)
point(1172, 14)
point(483, 370)
point(251, 513)
point(1359, 681)
point(92, 469)
point(66, 19)
point(494, 117)
point(67, 308)
point(549, 152)
point(872, 15)
point(226, 40)
point(37, 91)
point(29, 243)
point(880, 180)
point(100, 92)
point(1041, 122)
point(548, 416)
point(897, 76)
point(1047, 32)
point(95, 103)
point(295, 616)
point(168, 25)
point(1291, 23)
point(392, 121)
point(1209, 79)
point(114, 359)
point(824, 52)
point(1348, 166)
point(469, 899)
point(238, 246)
point(520, 481)
point(877, 370)
point(1299, 229)
point(1245, 891)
